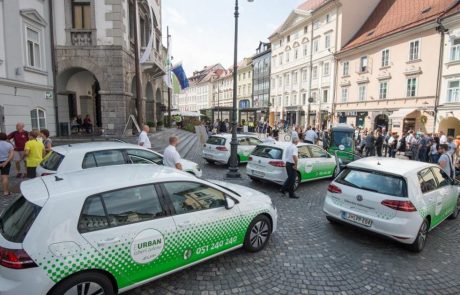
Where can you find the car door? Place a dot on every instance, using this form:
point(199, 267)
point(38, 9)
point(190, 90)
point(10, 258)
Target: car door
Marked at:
point(244, 149)
point(205, 227)
point(323, 163)
point(305, 164)
point(131, 231)
point(104, 158)
point(447, 193)
point(138, 156)
point(431, 195)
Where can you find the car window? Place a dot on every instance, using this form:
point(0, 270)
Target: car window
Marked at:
point(191, 196)
point(137, 155)
point(93, 216)
point(427, 181)
point(16, 221)
point(317, 152)
point(103, 158)
point(374, 181)
point(268, 152)
point(254, 141)
point(441, 177)
point(214, 140)
point(243, 141)
point(52, 161)
point(304, 152)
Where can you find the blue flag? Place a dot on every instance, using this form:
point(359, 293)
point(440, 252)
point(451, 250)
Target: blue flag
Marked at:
point(178, 70)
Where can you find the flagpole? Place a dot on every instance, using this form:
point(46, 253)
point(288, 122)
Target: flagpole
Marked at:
point(170, 79)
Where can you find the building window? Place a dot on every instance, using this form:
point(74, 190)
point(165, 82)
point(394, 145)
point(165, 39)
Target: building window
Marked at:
point(288, 38)
point(314, 72)
point(383, 90)
point(294, 78)
point(455, 50)
point(280, 59)
point(286, 100)
point(315, 45)
point(304, 98)
point(296, 53)
point(327, 41)
point(326, 69)
point(81, 14)
point(305, 29)
point(287, 56)
point(280, 82)
point(314, 95)
point(385, 58)
point(305, 50)
point(344, 94)
point(363, 63)
point(325, 95)
point(414, 51)
point(362, 93)
point(316, 25)
point(38, 119)
point(328, 18)
point(33, 48)
point(411, 87)
point(453, 91)
point(346, 68)
point(304, 75)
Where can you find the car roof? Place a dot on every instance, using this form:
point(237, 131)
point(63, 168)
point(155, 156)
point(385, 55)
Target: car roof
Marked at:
point(282, 144)
point(389, 165)
point(342, 127)
point(95, 180)
point(93, 146)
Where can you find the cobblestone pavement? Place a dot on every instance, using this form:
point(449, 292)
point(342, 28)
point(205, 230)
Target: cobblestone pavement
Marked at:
point(308, 255)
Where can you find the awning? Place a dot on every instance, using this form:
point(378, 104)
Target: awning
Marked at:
point(402, 113)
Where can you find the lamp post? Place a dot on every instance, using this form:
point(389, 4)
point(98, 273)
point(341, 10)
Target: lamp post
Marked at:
point(233, 167)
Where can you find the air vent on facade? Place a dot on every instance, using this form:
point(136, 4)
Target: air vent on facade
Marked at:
point(370, 33)
point(426, 10)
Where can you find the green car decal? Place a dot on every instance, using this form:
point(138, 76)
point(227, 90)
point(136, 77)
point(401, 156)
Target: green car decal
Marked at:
point(308, 172)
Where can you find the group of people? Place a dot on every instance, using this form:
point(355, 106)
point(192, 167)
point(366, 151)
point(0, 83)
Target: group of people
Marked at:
point(24, 149)
point(77, 124)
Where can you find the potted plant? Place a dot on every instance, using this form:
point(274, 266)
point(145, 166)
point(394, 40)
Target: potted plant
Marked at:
point(160, 125)
point(152, 126)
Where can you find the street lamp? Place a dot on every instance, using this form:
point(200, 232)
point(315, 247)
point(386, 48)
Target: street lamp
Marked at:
point(233, 167)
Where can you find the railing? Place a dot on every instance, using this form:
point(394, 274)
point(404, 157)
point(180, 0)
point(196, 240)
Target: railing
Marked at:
point(81, 37)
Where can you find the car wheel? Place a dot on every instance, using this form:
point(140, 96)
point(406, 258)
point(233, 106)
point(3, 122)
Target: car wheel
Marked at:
point(258, 234)
point(210, 161)
point(422, 235)
point(85, 283)
point(455, 214)
point(297, 181)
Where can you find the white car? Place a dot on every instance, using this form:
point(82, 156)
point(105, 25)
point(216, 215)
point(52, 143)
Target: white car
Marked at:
point(72, 157)
point(217, 148)
point(266, 163)
point(400, 199)
point(106, 230)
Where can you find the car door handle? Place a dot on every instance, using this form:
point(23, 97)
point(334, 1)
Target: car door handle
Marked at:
point(108, 242)
point(184, 224)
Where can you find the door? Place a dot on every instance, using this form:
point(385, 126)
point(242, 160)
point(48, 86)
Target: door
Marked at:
point(244, 149)
point(434, 195)
point(447, 194)
point(324, 164)
point(132, 231)
point(138, 156)
point(205, 227)
point(306, 164)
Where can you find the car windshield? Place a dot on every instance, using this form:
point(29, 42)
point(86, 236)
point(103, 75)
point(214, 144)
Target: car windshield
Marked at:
point(16, 221)
point(268, 152)
point(52, 161)
point(214, 140)
point(342, 138)
point(374, 181)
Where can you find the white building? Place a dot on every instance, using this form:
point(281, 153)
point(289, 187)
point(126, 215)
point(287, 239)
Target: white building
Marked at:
point(26, 75)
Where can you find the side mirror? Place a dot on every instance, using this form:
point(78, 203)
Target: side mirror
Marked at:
point(229, 203)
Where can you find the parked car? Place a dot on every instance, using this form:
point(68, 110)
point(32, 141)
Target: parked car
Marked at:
point(72, 157)
point(217, 148)
point(111, 229)
point(400, 199)
point(266, 163)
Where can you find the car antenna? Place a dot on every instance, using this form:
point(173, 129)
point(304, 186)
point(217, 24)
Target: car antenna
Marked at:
point(378, 163)
point(57, 178)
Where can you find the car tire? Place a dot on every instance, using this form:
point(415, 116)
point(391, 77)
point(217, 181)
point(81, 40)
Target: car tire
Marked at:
point(210, 161)
point(297, 181)
point(422, 235)
point(94, 280)
point(455, 214)
point(258, 234)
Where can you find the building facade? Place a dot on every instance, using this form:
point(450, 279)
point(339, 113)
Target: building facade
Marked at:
point(244, 97)
point(261, 67)
point(388, 71)
point(26, 73)
point(95, 57)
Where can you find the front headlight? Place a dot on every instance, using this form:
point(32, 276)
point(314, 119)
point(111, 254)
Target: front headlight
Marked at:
point(197, 168)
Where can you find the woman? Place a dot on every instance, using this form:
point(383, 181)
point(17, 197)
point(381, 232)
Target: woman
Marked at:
point(34, 151)
point(87, 124)
point(434, 154)
point(46, 141)
point(6, 156)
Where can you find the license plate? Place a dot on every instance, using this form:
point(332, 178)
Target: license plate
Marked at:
point(258, 173)
point(357, 219)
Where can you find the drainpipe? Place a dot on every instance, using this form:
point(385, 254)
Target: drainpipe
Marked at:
point(311, 76)
point(442, 30)
point(336, 65)
point(53, 65)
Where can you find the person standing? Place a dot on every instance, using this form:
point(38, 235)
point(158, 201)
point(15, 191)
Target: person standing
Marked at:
point(434, 155)
point(392, 144)
point(46, 141)
point(445, 161)
point(370, 145)
point(6, 156)
point(379, 140)
point(311, 136)
point(144, 140)
point(88, 124)
point(34, 150)
point(442, 138)
point(291, 158)
point(19, 137)
point(171, 157)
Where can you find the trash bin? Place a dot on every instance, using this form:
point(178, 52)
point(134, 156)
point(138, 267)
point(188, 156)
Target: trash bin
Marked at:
point(64, 129)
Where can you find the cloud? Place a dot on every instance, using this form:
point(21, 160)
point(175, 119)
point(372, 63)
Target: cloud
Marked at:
point(175, 16)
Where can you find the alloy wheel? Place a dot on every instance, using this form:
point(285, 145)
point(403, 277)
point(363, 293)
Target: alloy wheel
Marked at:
point(86, 288)
point(259, 234)
point(422, 234)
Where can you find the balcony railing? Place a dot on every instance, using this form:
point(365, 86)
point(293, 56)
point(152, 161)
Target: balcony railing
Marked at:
point(81, 37)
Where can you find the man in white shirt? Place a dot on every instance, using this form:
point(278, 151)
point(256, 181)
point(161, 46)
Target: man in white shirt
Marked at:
point(311, 136)
point(291, 157)
point(144, 140)
point(171, 157)
point(442, 138)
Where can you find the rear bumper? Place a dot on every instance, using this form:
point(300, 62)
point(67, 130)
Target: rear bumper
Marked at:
point(403, 227)
point(24, 282)
point(217, 157)
point(278, 176)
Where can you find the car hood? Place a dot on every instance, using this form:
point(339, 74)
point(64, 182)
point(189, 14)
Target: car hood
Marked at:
point(244, 191)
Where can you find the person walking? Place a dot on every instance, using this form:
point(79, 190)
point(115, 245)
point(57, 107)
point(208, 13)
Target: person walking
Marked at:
point(445, 161)
point(171, 157)
point(34, 150)
point(291, 158)
point(143, 139)
point(370, 145)
point(392, 145)
point(47, 142)
point(452, 148)
point(6, 156)
point(379, 140)
point(19, 138)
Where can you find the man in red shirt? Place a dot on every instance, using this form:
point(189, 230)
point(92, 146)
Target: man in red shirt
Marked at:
point(19, 138)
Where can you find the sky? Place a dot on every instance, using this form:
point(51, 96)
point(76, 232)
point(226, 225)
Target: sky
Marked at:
point(202, 31)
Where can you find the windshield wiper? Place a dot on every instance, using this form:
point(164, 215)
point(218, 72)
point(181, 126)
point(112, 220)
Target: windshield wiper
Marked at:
point(370, 189)
point(343, 181)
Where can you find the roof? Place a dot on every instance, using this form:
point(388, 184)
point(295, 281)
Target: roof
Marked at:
point(310, 5)
point(92, 146)
point(342, 127)
point(393, 16)
point(389, 165)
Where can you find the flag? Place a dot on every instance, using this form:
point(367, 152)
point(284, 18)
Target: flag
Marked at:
point(149, 47)
point(178, 70)
point(168, 66)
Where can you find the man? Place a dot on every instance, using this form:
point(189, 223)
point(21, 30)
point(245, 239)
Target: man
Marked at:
point(442, 137)
point(452, 147)
point(370, 145)
point(445, 161)
point(392, 144)
point(34, 150)
point(311, 136)
point(424, 146)
point(6, 155)
point(19, 137)
point(171, 157)
point(291, 158)
point(379, 141)
point(144, 140)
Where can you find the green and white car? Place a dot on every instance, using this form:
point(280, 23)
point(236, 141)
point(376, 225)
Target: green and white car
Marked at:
point(267, 163)
point(110, 229)
point(217, 148)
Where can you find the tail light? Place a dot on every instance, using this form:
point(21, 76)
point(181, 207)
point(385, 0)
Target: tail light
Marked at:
point(46, 174)
point(15, 259)
point(405, 206)
point(277, 163)
point(250, 159)
point(334, 189)
point(222, 149)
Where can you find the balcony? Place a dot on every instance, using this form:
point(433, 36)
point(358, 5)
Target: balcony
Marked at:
point(81, 37)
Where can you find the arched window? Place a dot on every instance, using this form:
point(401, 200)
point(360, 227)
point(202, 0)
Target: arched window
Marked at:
point(38, 118)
